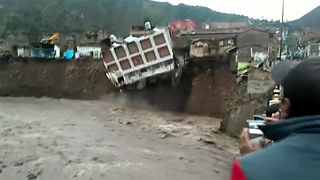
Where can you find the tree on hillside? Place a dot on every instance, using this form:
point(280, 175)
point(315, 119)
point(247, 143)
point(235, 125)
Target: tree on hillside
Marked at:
point(114, 16)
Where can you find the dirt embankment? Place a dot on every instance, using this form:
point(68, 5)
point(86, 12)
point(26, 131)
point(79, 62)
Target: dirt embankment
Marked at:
point(205, 88)
point(213, 90)
point(54, 79)
point(253, 97)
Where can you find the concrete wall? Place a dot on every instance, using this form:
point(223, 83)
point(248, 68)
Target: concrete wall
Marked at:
point(88, 51)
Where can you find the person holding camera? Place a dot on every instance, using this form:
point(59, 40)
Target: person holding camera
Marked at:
point(248, 145)
point(295, 153)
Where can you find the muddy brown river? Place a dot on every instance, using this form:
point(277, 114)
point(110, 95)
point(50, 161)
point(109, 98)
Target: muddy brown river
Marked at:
point(54, 139)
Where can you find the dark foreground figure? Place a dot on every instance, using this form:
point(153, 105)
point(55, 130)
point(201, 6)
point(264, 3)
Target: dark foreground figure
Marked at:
point(296, 152)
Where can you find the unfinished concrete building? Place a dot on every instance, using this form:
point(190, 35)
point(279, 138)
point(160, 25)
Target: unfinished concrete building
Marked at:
point(255, 42)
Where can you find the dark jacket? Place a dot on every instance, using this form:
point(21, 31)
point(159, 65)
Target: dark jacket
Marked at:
point(294, 156)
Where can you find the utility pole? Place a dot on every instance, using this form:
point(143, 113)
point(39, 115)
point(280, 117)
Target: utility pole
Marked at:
point(281, 30)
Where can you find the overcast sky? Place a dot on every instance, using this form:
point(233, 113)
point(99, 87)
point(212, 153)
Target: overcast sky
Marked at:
point(268, 9)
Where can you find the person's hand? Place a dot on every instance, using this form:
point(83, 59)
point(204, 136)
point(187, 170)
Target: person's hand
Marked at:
point(275, 117)
point(271, 120)
point(247, 145)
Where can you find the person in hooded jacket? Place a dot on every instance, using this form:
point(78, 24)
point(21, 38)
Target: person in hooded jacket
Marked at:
point(295, 155)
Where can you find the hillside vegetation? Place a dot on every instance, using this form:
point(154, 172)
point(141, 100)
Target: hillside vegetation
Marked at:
point(310, 20)
point(35, 17)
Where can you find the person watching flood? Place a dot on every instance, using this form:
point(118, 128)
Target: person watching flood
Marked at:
point(297, 148)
